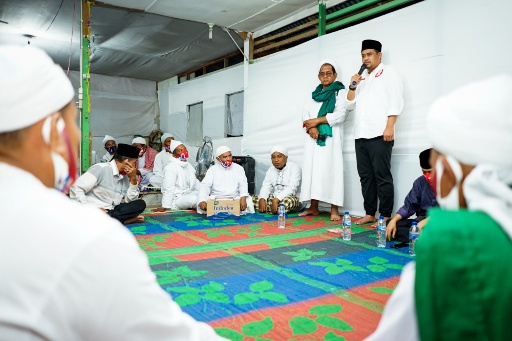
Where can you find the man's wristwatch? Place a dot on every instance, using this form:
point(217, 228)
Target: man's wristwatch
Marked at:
point(353, 88)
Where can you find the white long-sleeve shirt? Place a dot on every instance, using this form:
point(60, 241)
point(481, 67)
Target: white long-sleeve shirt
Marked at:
point(161, 160)
point(220, 181)
point(281, 183)
point(102, 186)
point(378, 95)
point(179, 180)
point(71, 272)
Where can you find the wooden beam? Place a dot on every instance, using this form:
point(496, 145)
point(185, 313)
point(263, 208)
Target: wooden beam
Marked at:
point(242, 35)
point(286, 33)
point(304, 35)
point(102, 4)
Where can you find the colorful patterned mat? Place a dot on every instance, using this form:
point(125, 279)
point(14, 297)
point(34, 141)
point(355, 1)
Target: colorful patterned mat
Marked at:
point(253, 281)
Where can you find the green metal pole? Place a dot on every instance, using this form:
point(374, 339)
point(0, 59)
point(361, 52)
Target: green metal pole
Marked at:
point(322, 11)
point(85, 108)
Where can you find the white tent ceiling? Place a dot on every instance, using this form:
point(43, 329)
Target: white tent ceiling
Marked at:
point(146, 39)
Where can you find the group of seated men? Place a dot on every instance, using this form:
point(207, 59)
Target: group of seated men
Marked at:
point(115, 188)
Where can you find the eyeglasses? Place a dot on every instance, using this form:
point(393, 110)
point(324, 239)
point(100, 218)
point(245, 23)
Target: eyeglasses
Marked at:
point(326, 74)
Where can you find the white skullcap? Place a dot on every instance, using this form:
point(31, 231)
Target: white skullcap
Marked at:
point(165, 136)
point(473, 124)
point(139, 140)
point(32, 87)
point(279, 149)
point(108, 138)
point(328, 61)
point(175, 144)
point(221, 150)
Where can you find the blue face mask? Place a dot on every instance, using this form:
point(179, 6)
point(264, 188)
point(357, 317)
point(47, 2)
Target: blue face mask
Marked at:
point(112, 150)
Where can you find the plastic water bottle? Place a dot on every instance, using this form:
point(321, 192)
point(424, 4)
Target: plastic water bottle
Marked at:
point(347, 231)
point(381, 232)
point(281, 217)
point(414, 233)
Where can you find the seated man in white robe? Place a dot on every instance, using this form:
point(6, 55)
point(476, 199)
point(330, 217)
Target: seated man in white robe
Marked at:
point(109, 143)
point(180, 186)
point(280, 185)
point(161, 160)
point(112, 187)
point(146, 161)
point(225, 178)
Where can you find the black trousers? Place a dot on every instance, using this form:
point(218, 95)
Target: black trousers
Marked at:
point(402, 230)
point(374, 167)
point(128, 210)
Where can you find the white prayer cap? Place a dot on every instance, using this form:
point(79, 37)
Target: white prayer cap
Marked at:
point(328, 61)
point(165, 136)
point(32, 87)
point(473, 124)
point(175, 144)
point(221, 150)
point(279, 149)
point(108, 138)
point(139, 140)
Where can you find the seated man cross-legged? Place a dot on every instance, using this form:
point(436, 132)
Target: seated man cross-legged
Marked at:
point(225, 178)
point(180, 186)
point(145, 162)
point(112, 186)
point(280, 185)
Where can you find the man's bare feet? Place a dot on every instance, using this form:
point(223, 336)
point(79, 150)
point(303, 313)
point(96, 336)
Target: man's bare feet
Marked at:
point(137, 219)
point(159, 209)
point(364, 220)
point(309, 211)
point(335, 216)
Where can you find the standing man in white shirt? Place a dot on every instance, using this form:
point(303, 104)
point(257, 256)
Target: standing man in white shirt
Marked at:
point(68, 272)
point(377, 97)
point(180, 186)
point(280, 185)
point(225, 178)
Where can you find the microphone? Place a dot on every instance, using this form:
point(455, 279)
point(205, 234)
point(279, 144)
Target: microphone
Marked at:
point(360, 72)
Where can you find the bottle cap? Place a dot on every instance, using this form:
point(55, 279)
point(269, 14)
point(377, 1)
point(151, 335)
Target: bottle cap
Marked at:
point(281, 204)
point(381, 217)
point(346, 212)
point(415, 223)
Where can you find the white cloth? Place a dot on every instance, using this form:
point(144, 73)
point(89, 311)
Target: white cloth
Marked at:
point(175, 144)
point(108, 138)
point(32, 87)
point(161, 160)
point(322, 170)
point(139, 140)
point(220, 181)
point(399, 321)
point(165, 136)
point(102, 186)
point(279, 149)
point(479, 109)
point(180, 186)
point(71, 272)
point(221, 150)
point(378, 96)
point(281, 183)
point(106, 157)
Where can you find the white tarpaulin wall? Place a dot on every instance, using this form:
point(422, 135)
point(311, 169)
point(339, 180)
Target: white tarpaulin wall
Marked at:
point(120, 107)
point(436, 45)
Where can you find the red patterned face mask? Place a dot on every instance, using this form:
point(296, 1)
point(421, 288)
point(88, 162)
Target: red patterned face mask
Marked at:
point(226, 164)
point(430, 179)
point(184, 155)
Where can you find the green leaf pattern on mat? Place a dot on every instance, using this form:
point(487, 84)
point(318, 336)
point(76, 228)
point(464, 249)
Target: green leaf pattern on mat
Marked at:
point(209, 292)
point(304, 254)
point(320, 315)
point(341, 265)
point(249, 231)
point(138, 230)
point(218, 232)
point(150, 242)
point(177, 274)
point(260, 290)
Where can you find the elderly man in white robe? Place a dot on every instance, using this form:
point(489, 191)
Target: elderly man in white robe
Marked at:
point(280, 185)
point(68, 271)
point(323, 117)
point(180, 186)
point(460, 285)
point(225, 178)
point(161, 160)
point(109, 143)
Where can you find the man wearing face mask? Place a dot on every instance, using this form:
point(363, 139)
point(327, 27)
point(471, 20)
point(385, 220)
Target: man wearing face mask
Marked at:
point(419, 199)
point(68, 272)
point(225, 178)
point(112, 186)
point(109, 143)
point(460, 287)
point(180, 186)
point(145, 162)
point(161, 160)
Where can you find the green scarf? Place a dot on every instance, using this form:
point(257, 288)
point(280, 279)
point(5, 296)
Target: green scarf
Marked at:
point(328, 98)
